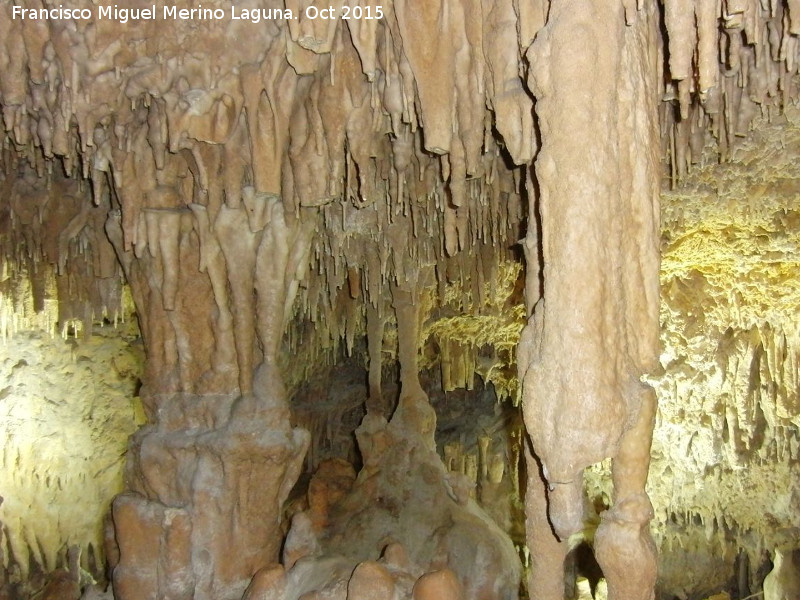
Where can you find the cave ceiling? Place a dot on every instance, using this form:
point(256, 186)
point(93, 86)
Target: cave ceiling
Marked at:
point(390, 150)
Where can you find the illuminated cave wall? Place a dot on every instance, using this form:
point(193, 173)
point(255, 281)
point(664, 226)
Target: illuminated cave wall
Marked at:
point(71, 363)
point(725, 477)
point(67, 408)
point(727, 441)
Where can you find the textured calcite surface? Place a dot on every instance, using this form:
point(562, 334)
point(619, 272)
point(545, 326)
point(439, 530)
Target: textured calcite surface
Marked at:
point(593, 333)
point(730, 354)
point(273, 191)
point(67, 410)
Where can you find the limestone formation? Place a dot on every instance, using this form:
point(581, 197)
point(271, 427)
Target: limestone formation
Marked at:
point(783, 582)
point(269, 583)
point(370, 580)
point(725, 249)
point(64, 437)
point(403, 504)
point(582, 355)
point(438, 584)
point(281, 185)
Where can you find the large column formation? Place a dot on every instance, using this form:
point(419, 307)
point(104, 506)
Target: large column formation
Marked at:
point(208, 478)
point(594, 331)
point(213, 265)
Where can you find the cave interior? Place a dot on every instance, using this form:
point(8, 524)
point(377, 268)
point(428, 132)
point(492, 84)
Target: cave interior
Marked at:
point(425, 300)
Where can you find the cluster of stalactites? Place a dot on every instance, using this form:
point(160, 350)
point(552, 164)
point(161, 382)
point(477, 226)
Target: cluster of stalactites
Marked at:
point(396, 139)
point(58, 272)
point(728, 61)
point(345, 98)
point(364, 251)
point(730, 350)
point(728, 408)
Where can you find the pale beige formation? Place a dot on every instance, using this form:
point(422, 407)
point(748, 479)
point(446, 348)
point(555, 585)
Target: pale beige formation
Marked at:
point(295, 193)
point(783, 582)
point(594, 333)
point(726, 397)
point(64, 438)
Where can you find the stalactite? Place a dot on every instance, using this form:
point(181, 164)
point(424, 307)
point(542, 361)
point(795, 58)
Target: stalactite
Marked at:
point(268, 92)
point(212, 261)
point(163, 235)
point(432, 59)
point(270, 282)
point(513, 107)
point(239, 245)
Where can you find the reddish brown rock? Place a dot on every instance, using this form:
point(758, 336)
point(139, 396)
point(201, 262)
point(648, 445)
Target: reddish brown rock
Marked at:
point(138, 525)
point(237, 469)
point(438, 585)
point(332, 481)
point(61, 585)
point(370, 581)
point(268, 583)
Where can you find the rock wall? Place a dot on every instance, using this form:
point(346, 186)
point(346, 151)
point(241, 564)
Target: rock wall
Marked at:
point(67, 412)
point(70, 377)
point(727, 400)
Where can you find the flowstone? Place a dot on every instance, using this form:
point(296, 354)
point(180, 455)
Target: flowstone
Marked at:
point(206, 484)
point(405, 511)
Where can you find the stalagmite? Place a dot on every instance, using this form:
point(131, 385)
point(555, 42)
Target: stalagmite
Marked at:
point(547, 552)
point(783, 581)
point(438, 584)
point(375, 327)
point(370, 580)
point(623, 538)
